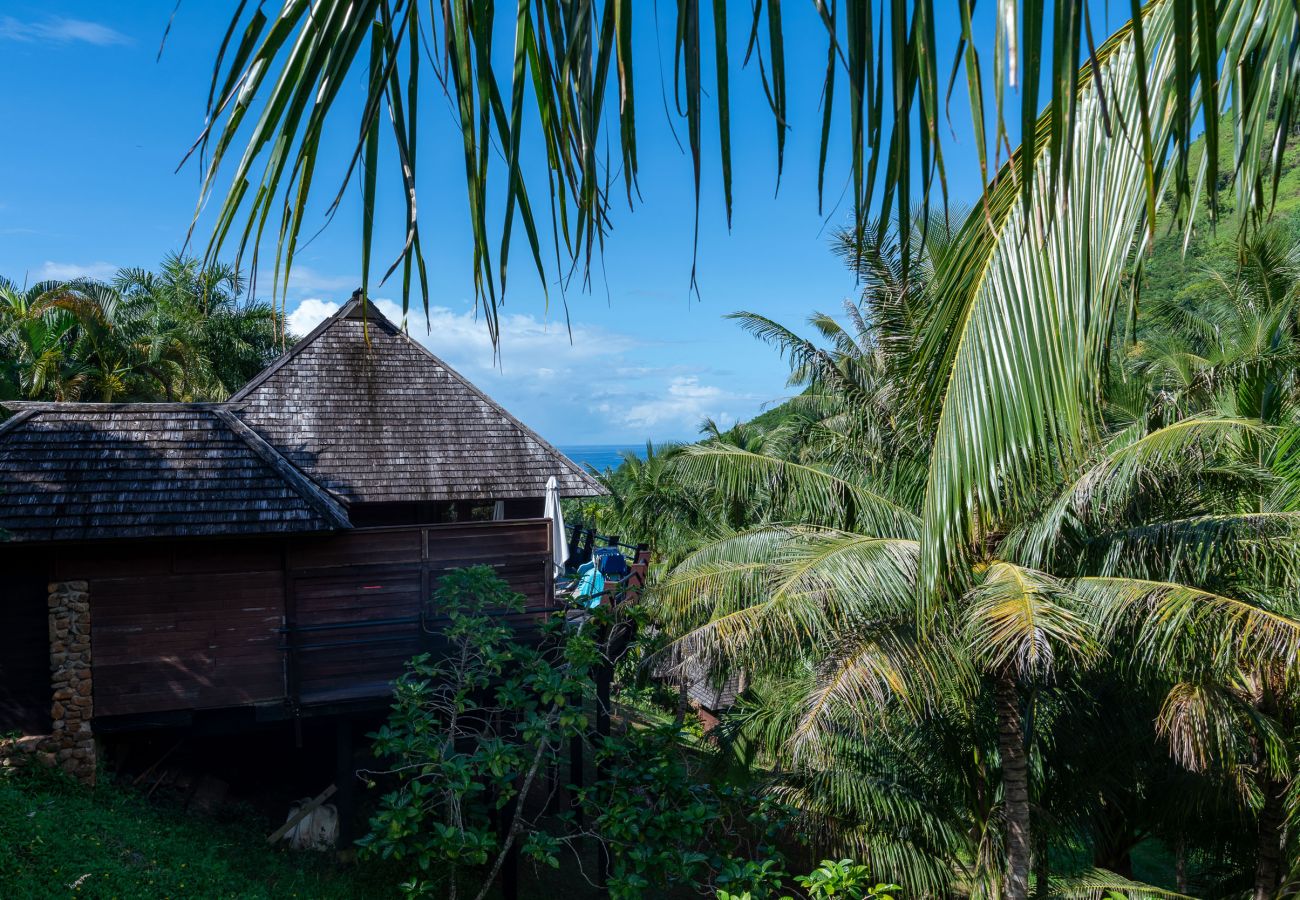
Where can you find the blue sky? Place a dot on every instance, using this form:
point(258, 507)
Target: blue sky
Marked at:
point(97, 126)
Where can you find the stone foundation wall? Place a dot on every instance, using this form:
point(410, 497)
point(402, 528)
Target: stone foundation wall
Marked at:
point(71, 745)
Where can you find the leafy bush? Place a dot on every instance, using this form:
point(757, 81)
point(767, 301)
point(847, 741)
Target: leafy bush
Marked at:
point(470, 731)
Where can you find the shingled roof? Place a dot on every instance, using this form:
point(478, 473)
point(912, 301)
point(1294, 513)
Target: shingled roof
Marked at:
point(373, 416)
point(71, 471)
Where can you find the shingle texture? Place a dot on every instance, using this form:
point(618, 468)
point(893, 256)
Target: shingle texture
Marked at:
point(382, 419)
point(80, 473)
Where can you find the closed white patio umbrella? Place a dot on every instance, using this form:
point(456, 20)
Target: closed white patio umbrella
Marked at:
point(559, 542)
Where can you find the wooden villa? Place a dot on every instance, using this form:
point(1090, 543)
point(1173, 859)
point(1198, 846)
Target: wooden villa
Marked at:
point(263, 559)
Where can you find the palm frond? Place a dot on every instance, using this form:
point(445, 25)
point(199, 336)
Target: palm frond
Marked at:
point(1027, 308)
point(1100, 884)
point(1202, 724)
point(761, 598)
point(1133, 462)
point(1019, 620)
point(1171, 622)
point(800, 493)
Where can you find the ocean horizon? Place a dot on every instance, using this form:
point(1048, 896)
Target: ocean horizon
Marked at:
point(601, 456)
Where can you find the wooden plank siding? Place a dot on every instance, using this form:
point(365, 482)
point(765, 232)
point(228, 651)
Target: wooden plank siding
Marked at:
point(24, 645)
point(359, 599)
point(200, 625)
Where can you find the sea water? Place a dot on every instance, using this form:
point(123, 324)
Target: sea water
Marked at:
point(600, 456)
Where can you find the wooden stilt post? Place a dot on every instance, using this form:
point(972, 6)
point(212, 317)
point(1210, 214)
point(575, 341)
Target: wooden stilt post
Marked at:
point(604, 675)
point(346, 780)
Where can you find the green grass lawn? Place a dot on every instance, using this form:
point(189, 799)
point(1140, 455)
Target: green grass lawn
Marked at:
point(58, 839)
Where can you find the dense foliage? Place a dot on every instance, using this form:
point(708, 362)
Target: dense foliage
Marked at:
point(475, 737)
point(182, 333)
point(1112, 672)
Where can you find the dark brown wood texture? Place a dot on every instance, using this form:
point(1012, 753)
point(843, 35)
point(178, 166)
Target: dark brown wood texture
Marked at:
point(371, 415)
point(214, 624)
point(359, 599)
point(74, 472)
point(24, 646)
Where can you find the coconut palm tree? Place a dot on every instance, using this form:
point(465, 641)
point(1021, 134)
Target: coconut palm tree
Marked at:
point(1148, 530)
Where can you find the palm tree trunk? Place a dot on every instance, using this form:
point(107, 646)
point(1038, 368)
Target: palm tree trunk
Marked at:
point(1268, 861)
point(1015, 787)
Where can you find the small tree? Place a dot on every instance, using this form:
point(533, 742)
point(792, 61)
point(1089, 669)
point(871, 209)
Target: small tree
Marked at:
point(470, 731)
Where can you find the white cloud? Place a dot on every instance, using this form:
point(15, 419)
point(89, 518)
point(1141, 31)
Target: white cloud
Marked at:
point(683, 405)
point(65, 271)
point(530, 347)
point(59, 30)
point(308, 314)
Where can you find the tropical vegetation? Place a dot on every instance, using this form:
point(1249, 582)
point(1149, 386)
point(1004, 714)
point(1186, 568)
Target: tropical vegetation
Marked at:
point(1013, 577)
point(466, 754)
point(1113, 665)
point(184, 333)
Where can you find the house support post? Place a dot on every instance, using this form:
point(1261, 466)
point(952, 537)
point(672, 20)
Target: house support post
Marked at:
point(345, 778)
point(604, 676)
point(71, 744)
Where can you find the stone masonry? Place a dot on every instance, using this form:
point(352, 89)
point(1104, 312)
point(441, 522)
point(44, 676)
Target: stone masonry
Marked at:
point(71, 742)
point(70, 746)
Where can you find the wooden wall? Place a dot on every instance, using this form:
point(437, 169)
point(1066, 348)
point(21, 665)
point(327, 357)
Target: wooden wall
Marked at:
point(214, 624)
point(356, 600)
point(24, 644)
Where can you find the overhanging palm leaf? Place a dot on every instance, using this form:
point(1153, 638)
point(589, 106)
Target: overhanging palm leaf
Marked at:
point(1027, 309)
point(1171, 623)
point(576, 59)
point(802, 493)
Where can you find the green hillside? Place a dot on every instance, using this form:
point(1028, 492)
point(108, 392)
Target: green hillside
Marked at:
point(1169, 274)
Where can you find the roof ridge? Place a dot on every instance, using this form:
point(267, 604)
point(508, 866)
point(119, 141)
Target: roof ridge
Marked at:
point(130, 406)
point(17, 419)
point(303, 343)
point(305, 487)
point(372, 312)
